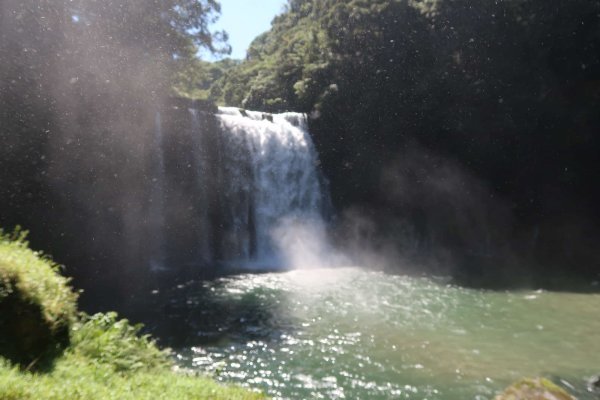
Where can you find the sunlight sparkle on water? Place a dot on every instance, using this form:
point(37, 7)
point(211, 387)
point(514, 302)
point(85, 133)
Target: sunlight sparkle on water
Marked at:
point(350, 333)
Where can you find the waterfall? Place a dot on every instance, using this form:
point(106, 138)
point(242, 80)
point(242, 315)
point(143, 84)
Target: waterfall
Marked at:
point(202, 171)
point(270, 174)
point(223, 185)
point(157, 200)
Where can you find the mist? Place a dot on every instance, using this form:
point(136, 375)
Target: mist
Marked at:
point(81, 84)
point(436, 217)
point(304, 243)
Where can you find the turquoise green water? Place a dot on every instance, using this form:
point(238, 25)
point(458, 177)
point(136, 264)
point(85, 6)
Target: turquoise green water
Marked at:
point(353, 334)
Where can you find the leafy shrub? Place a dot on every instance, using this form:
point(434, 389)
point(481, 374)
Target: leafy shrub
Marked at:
point(108, 360)
point(37, 306)
point(107, 340)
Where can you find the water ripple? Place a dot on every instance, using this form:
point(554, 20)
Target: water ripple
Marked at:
point(350, 334)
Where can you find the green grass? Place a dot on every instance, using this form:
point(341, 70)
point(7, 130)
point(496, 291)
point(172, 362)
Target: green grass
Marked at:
point(104, 358)
point(74, 377)
point(37, 306)
point(37, 278)
point(108, 359)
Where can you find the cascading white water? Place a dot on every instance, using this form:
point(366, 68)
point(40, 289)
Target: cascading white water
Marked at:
point(271, 175)
point(238, 183)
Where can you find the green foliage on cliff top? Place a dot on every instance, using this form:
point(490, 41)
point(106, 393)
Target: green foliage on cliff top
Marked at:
point(196, 79)
point(37, 306)
point(404, 46)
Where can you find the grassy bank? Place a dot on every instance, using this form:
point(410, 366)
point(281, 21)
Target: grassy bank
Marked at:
point(80, 378)
point(48, 351)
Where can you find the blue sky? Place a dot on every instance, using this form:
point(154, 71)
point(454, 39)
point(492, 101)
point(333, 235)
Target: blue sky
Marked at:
point(246, 19)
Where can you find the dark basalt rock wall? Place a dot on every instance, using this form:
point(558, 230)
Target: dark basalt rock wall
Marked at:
point(512, 213)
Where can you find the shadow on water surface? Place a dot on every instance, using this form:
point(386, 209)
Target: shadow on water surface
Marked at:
point(483, 273)
point(205, 309)
point(201, 312)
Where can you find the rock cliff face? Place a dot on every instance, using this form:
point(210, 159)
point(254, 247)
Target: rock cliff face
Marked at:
point(483, 191)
